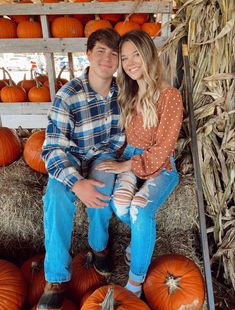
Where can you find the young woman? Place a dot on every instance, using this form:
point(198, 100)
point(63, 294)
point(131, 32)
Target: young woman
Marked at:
point(151, 114)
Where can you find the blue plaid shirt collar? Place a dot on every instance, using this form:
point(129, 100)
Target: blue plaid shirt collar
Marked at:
point(90, 92)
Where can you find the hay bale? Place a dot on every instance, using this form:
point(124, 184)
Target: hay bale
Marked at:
point(21, 213)
point(21, 220)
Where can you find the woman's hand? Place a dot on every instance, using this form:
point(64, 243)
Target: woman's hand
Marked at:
point(114, 166)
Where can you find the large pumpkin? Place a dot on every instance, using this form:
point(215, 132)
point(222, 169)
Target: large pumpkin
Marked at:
point(116, 296)
point(12, 287)
point(33, 151)
point(33, 273)
point(84, 277)
point(174, 282)
point(10, 146)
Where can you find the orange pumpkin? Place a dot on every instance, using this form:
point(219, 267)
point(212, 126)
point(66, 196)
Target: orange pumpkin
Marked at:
point(7, 28)
point(13, 93)
point(152, 28)
point(139, 18)
point(125, 26)
point(29, 29)
point(174, 282)
point(10, 146)
point(84, 277)
point(12, 286)
point(121, 297)
point(33, 151)
point(33, 273)
point(27, 84)
point(96, 24)
point(66, 27)
point(67, 305)
point(39, 93)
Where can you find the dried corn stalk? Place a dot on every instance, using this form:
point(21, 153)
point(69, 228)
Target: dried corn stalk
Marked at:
point(210, 31)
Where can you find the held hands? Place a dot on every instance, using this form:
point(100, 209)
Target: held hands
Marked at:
point(114, 166)
point(85, 190)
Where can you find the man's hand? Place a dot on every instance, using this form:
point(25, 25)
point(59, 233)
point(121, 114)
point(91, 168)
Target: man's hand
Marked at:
point(114, 166)
point(85, 190)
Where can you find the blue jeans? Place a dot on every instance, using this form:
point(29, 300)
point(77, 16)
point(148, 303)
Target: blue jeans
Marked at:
point(59, 211)
point(136, 203)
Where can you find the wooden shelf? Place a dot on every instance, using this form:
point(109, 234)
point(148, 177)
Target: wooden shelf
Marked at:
point(51, 45)
point(32, 115)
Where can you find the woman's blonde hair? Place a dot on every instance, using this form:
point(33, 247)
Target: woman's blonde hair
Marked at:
point(152, 75)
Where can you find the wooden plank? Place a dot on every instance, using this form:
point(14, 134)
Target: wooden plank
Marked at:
point(25, 121)
point(49, 58)
point(50, 45)
point(18, 108)
point(86, 8)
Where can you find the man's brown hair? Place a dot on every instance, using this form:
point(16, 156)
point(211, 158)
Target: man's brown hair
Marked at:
point(107, 36)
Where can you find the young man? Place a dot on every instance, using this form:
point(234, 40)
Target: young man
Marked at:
point(83, 130)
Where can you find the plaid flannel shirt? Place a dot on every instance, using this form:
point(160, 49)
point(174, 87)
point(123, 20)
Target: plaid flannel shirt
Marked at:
point(81, 125)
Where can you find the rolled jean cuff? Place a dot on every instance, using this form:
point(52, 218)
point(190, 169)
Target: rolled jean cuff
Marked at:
point(137, 278)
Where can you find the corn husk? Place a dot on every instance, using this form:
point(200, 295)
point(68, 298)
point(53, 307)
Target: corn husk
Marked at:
point(210, 31)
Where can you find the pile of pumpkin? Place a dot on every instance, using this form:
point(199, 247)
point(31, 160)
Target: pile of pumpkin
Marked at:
point(173, 282)
point(35, 89)
point(76, 25)
point(12, 147)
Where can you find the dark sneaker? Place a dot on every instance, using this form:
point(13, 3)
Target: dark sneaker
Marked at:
point(53, 296)
point(102, 262)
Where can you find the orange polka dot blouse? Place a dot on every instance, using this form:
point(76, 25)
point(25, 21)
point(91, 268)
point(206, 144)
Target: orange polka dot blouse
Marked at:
point(158, 142)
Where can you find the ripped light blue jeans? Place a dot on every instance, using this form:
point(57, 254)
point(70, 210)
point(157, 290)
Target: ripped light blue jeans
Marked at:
point(136, 203)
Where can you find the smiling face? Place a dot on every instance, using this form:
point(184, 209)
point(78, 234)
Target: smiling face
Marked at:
point(103, 61)
point(131, 61)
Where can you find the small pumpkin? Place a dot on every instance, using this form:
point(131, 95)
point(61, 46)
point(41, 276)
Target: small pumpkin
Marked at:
point(152, 28)
point(12, 286)
point(39, 93)
point(84, 277)
point(174, 282)
point(113, 296)
point(96, 24)
point(33, 151)
point(66, 27)
point(29, 29)
point(10, 146)
point(33, 273)
point(124, 26)
point(139, 18)
point(27, 84)
point(7, 28)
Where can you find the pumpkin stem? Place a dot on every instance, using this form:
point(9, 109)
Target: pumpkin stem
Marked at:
point(61, 71)
point(9, 76)
point(172, 283)
point(108, 303)
point(38, 83)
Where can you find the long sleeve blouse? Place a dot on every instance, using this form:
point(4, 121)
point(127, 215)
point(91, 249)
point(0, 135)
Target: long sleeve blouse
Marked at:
point(158, 142)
